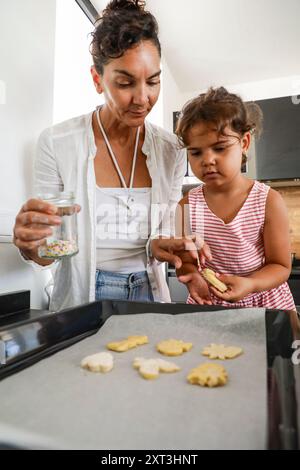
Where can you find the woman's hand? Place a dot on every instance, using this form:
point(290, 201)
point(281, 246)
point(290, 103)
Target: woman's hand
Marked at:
point(33, 225)
point(238, 287)
point(195, 283)
point(178, 250)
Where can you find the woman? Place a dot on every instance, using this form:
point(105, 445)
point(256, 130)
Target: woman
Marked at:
point(112, 158)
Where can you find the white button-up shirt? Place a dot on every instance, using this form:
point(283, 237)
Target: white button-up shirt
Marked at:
point(65, 161)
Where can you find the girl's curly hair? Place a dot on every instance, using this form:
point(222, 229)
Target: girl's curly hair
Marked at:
point(222, 109)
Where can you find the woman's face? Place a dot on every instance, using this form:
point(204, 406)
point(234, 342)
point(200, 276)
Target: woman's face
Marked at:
point(131, 83)
point(216, 159)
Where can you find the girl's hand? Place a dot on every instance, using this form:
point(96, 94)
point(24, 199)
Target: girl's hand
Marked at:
point(177, 251)
point(238, 288)
point(197, 287)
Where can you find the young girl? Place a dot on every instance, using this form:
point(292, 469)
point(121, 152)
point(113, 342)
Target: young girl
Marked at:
point(244, 222)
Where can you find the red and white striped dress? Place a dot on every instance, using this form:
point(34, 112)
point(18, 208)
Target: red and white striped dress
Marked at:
point(237, 247)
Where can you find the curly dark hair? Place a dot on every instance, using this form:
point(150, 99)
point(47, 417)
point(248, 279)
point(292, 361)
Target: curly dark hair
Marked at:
point(123, 24)
point(222, 109)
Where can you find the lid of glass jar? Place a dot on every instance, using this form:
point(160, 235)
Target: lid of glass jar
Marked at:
point(59, 198)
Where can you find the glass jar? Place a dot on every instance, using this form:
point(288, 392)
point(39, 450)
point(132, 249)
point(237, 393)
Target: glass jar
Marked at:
point(64, 239)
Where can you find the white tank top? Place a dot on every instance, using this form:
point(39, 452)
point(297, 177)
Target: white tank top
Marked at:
point(122, 228)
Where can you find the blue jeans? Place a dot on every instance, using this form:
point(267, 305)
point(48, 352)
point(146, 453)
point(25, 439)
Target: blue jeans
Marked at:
point(116, 286)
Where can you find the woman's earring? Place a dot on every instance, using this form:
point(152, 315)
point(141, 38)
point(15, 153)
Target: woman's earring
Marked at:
point(244, 158)
point(244, 165)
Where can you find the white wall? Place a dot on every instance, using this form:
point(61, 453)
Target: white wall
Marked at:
point(173, 98)
point(27, 39)
point(74, 92)
point(27, 31)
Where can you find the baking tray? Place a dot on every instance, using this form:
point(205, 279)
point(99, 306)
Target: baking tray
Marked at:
point(50, 411)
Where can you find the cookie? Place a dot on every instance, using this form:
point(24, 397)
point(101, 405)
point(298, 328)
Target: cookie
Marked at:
point(126, 344)
point(219, 351)
point(150, 368)
point(173, 347)
point(100, 362)
point(210, 277)
point(208, 375)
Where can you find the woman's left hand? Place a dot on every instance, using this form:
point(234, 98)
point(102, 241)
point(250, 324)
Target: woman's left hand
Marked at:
point(238, 288)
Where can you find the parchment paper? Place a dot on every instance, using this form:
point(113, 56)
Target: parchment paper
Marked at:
point(59, 401)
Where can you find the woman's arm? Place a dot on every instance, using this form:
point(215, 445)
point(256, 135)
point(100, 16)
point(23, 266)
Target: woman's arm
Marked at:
point(35, 219)
point(167, 242)
point(164, 244)
point(182, 229)
point(188, 273)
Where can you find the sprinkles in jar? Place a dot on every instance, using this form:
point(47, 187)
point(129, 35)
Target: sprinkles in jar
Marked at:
point(64, 240)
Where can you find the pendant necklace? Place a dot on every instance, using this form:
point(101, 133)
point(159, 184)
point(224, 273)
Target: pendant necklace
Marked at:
point(130, 198)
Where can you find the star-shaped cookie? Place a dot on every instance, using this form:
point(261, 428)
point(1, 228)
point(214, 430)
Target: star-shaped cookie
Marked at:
point(220, 351)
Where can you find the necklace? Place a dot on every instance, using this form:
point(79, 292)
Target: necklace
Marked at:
point(115, 162)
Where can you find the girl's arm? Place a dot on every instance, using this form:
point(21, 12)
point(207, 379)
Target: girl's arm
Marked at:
point(276, 244)
point(277, 255)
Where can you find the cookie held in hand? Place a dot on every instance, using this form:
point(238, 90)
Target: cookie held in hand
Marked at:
point(210, 277)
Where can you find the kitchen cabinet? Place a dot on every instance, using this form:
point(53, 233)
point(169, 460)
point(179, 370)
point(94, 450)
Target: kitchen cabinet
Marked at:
point(16, 275)
point(178, 291)
point(294, 283)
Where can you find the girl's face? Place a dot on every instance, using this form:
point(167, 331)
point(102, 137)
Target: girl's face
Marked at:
point(131, 83)
point(216, 159)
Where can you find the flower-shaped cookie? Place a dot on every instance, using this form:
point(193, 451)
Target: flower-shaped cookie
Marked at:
point(220, 351)
point(173, 347)
point(208, 375)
